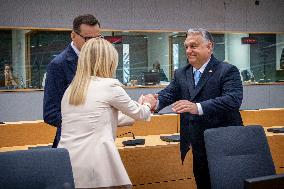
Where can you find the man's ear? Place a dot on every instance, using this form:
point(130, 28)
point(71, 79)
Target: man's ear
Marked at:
point(210, 45)
point(72, 35)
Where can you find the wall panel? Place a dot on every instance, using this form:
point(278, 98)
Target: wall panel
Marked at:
point(215, 15)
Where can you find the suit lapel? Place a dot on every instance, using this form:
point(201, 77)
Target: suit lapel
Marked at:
point(208, 72)
point(190, 81)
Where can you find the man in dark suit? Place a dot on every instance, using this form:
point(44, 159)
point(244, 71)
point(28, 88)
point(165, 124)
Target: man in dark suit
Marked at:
point(207, 93)
point(61, 70)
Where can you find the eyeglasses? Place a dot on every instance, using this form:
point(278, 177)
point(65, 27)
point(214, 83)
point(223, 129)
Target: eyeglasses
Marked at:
point(88, 38)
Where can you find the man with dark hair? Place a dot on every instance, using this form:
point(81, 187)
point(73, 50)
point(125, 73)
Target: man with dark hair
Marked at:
point(207, 93)
point(61, 70)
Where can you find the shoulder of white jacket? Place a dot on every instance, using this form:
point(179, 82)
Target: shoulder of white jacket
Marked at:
point(111, 82)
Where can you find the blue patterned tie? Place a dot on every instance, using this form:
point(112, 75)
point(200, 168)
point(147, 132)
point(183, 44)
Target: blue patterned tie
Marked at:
point(197, 75)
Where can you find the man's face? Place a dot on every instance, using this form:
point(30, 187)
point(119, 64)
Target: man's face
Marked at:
point(198, 51)
point(87, 32)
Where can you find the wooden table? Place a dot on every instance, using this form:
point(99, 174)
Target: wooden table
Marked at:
point(154, 165)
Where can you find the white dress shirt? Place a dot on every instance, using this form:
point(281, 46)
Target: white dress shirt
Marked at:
point(200, 111)
point(75, 48)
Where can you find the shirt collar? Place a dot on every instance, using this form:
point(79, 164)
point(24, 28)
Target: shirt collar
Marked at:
point(202, 67)
point(75, 48)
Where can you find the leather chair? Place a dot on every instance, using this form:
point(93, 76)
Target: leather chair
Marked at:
point(48, 168)
point(238, 157)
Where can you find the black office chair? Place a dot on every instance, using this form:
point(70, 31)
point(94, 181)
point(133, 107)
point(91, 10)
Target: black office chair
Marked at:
point(48, 168)
point(238, 156)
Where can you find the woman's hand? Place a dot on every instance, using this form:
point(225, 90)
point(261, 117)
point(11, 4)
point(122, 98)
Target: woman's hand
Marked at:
point(150, 99)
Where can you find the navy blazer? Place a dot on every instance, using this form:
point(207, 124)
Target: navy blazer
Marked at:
point(60, 73)
point(220, 93)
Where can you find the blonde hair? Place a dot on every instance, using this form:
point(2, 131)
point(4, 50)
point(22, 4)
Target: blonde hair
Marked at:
point(98, 58)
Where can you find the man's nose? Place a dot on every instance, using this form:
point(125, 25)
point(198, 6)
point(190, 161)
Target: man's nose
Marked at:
point(188, 50)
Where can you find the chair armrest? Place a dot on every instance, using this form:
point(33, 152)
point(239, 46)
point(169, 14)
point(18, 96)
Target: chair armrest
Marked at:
point(271, 182)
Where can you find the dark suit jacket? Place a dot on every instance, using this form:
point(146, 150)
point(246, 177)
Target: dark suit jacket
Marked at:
point(60, 73)
point(220, 93)
point(282, 60)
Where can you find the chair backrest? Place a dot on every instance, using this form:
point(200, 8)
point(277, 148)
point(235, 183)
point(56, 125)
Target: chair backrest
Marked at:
point(237, 153)
point(48, 168)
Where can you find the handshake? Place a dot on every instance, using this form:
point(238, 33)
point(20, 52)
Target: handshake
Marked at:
point(180, 106)
point(150, 100)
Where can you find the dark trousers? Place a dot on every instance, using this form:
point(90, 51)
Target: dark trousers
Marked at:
point(200, 170)
point(200, 164)
point(57, 137)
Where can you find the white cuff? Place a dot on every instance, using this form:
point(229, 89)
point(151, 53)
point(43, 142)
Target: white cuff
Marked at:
point(157, 105)
point(200, 111)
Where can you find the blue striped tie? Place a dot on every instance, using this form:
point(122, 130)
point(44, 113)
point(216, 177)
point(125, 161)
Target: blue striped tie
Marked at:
point(197, 75)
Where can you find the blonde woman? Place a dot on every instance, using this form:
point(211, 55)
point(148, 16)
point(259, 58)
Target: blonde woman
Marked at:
point(90, 110)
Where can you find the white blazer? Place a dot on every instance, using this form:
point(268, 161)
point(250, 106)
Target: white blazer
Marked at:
point(89, 132)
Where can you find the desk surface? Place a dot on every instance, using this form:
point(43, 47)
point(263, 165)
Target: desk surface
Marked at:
point(150, 141)
point(271, 133)
point(158, 162)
